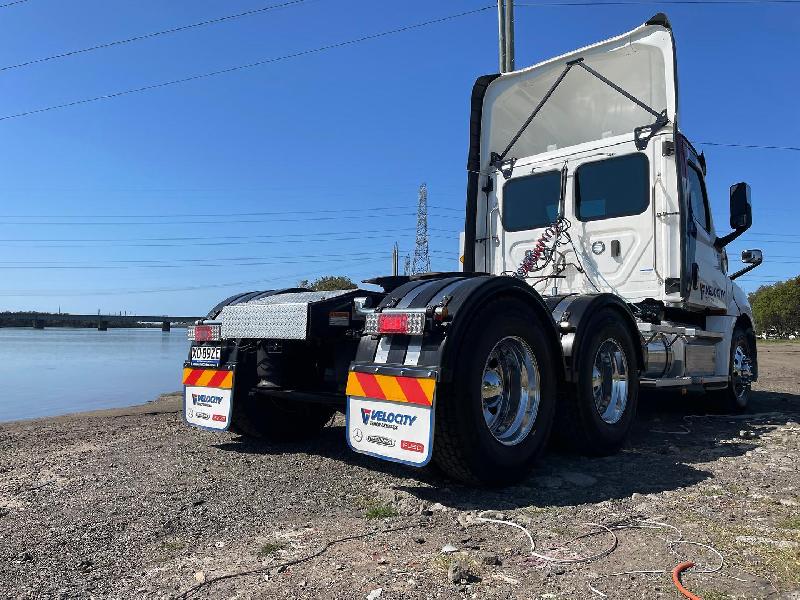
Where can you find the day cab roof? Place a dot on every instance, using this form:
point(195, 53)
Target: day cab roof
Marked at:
point(583, 108)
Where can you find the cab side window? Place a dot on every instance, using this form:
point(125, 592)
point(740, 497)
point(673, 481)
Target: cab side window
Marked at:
point(697, 197)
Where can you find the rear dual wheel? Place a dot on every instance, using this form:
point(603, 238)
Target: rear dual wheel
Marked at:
point(596, 416)
point(493, 420)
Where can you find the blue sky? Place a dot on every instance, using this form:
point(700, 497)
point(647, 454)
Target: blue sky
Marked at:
point(335, 144)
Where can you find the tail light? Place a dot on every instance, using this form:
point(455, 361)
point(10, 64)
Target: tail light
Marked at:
point(395, 322)
point(204, 333)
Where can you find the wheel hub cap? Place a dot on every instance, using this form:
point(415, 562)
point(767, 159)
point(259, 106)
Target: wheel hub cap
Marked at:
point(610, 381)
point(510, 391)
point(742, 371)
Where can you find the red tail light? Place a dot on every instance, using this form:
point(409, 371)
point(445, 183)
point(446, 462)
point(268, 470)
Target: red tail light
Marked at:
point(388, 323)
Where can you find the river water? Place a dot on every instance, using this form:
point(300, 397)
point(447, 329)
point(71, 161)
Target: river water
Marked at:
point(59, 370)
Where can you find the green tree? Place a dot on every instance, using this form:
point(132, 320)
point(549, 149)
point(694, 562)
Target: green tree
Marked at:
point(329, 282)
point(776, 307)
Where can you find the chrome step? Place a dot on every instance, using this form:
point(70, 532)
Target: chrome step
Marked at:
point(689, 332)
point(683, 381)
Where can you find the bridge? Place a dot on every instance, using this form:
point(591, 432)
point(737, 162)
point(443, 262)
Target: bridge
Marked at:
point(102, 322)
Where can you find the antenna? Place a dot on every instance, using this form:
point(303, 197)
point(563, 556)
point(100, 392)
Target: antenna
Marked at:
point(422, 258)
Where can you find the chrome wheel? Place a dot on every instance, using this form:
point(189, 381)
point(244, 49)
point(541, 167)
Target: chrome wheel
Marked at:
point(742, 371)
point(510, 391)
point(610, 381)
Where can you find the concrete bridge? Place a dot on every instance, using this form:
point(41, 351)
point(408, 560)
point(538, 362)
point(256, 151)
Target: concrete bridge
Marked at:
point(102, 322)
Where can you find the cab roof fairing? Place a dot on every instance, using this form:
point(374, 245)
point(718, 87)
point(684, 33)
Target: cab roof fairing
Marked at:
point(582, 108)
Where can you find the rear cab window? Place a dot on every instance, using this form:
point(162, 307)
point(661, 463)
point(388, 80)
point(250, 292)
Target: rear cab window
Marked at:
point(531, 202)
point(614, 187)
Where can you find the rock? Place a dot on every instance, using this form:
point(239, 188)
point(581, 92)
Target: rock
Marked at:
point(449, 549)
point(419, 540)
point(489, 558)
point(579, 479)
point(749, 540)
point(788, 502)
point(200, 577)
point(558, 570)
point(493, 514)
point(457, 573)
point(747, 434)
point(437, 506)
point(219, 544)
point(375, 594)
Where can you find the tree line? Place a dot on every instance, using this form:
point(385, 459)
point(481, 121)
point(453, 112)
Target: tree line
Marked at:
point(776, 307)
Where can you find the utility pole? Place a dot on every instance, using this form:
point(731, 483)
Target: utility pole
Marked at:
point(501, 33)
point(505, 26)
point(395, 258)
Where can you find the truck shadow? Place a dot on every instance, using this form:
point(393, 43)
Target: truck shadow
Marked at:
point(673, 442)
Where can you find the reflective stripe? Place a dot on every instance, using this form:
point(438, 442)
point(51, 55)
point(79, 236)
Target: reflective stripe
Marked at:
point(382, 352)
point(414, 350)
point(413, 390)
point(208, 378)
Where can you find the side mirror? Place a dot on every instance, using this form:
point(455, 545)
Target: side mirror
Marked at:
point(741, 214)
point(741, 209)
point(752, 258)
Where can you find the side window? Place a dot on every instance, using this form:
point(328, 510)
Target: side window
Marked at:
point(615, 187)
point(697, 197)
point(531, 202)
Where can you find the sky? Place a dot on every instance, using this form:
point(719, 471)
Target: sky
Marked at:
point(168, 200)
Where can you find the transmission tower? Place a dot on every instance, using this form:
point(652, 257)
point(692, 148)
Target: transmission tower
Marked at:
point(422, 259)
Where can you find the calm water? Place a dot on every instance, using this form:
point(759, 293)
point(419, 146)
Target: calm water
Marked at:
point(57, 371)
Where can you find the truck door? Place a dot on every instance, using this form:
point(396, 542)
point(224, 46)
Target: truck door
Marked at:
point(705, 268)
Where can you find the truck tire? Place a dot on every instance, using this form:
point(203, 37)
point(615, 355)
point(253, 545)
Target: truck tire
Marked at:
point(259, 416)
point(493, 420)
point(736, 396)
point(598, 414)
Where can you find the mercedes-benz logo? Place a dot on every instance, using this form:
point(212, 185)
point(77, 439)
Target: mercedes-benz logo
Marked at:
point(358, 435)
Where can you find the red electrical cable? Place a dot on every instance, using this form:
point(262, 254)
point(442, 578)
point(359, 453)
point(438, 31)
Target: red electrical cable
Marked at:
point(676, 579)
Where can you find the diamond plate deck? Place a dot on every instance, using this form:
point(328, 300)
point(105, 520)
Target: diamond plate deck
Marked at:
point(279, 317)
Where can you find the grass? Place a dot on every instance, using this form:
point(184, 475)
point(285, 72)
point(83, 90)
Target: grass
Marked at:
point(714, 595)
point(174, 545)
point(764, 559)
point(790, 523)
point(379, 510)
point(269, 548)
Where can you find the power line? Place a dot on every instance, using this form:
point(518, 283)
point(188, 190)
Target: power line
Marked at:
point(259, 63)
point(225, 222)
point(751, 146)
point(120, 292)
point(153, 34)
point(8, 4)
point(667, 2)
point(225, 214)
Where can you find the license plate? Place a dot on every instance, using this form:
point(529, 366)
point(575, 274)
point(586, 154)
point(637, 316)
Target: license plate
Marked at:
point(206, 355)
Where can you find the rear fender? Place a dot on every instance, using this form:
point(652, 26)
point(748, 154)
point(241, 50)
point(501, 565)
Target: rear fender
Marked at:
point(463, 296)
point(571, 317)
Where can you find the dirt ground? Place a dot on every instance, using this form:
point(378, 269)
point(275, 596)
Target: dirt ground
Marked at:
point(134, 504)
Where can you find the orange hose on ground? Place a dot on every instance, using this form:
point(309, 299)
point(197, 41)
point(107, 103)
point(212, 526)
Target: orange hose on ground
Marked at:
point(676, 579)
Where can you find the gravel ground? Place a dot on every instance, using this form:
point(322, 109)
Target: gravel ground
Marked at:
point(134, 504)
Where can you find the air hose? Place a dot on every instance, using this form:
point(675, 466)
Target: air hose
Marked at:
point(676, 579)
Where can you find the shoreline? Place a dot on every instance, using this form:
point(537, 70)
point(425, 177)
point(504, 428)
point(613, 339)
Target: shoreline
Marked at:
point(168, 402)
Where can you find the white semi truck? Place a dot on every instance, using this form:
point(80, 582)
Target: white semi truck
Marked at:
point(590, 268)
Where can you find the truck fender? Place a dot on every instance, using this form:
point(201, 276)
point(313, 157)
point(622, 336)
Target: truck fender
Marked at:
point(570, 315)
point(463, 296)
point(246, 297)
